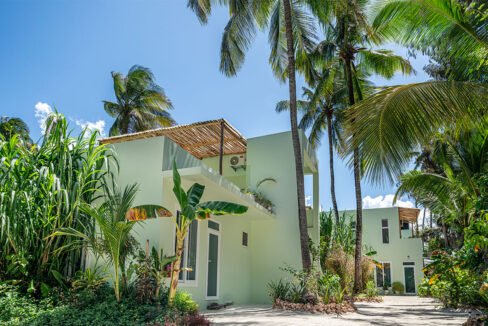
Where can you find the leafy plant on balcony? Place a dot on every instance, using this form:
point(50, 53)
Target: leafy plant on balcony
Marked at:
point(259, 197)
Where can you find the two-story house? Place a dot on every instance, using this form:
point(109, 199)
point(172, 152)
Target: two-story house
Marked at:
point(390, 233)
point(231, 258)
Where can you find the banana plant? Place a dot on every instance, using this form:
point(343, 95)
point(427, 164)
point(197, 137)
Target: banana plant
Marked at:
point(192, 209)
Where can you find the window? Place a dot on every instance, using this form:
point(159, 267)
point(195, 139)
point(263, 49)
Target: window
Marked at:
point(384, 231)
point(213, 225)
point(383, 275)
point(189, 256)
point(405, 225)
point(244, 239)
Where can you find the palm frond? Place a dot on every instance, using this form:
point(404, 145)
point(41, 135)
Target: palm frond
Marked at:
point(236, 40)
point(389, 125)
point(201, 8)
point(383, 62)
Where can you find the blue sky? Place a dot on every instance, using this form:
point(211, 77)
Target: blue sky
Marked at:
point(61, 53)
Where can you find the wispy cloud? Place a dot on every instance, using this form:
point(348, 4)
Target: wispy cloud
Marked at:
point(385, 201)
point(42, 111)
point(91, 126)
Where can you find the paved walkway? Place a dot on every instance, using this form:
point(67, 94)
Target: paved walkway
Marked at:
point(395, 310)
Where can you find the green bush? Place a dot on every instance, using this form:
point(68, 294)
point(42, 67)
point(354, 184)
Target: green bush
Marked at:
point(423, 289)
point(184, 303)
point(452, 283)
point(330, 287)
point(398, 287)
point(87, 307)
point(278, 290)
point(371, 291)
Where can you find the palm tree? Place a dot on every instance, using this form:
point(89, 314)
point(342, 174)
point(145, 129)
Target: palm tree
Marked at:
point(141, 104)
point(14, 126)
point(291, 35)
point(452, 189)
point(348, 43)
point(391, 124)
point(325, 115)
point(112, 239)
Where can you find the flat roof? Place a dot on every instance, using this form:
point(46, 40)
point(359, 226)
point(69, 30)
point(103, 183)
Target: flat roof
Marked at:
point(404, 213)
point(201, 139)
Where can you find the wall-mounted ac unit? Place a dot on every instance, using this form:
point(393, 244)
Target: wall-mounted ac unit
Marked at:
point(238, 160)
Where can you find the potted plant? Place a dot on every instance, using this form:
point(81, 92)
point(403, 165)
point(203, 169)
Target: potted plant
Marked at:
point(386, 290)
point(398, 288)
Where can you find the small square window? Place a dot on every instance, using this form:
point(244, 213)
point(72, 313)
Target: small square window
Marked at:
point(405, 225)
point(244, 239)
point(214, 226)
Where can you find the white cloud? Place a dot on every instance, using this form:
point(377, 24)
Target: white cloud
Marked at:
point(90, 126)
point(385, 201)
point(42, 111)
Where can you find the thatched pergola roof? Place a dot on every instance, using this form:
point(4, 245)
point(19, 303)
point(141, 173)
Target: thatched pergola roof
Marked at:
point(408, 214)
point(201, 139)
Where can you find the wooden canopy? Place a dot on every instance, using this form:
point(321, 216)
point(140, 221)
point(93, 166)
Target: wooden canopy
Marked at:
point(201, 139)
point(408, 214)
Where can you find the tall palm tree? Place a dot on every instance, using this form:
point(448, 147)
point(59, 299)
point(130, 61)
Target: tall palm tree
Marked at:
point(349, 42)
point(14, 126)
point(322, 110)
point(291, 35)
point(141, 104)
point(391, 124)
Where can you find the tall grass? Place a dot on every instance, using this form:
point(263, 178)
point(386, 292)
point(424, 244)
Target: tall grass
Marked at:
point(41, 189)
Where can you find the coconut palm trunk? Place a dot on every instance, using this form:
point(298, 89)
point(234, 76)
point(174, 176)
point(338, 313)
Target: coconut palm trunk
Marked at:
point(331, 164)
point(357, 184)
point(302, 217)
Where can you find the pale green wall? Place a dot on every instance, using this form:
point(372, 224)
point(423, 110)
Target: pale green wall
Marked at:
point(142, 161)
point(399, 250)
point(274, 243)
point(238, 176)
point(244, 271)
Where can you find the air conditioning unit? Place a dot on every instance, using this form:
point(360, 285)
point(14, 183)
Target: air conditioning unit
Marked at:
point(238, 160)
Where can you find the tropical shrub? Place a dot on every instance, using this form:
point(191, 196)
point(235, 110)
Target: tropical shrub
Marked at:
point(89, 279)
point(184, 303)
point(151, 269)
point(341, 264)
point(302, 287)
point(450, 281)
point(398, 287)
point(279, 290)
point(112, 239)
point(41, 189)
point(371, 290)
point(89, 307)
point(329, 286)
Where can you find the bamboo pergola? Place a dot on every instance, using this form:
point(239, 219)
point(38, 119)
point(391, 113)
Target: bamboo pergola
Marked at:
point(408, 214)
point(201, 139)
